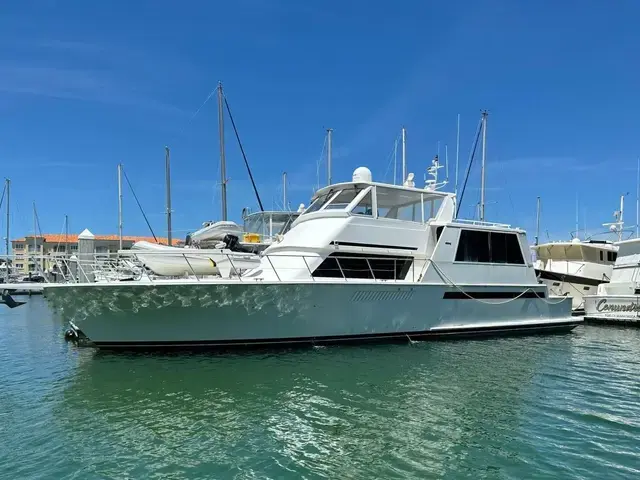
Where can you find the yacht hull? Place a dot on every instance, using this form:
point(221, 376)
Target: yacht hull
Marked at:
point(574, 286)
point(239, 313)
point(615, 309)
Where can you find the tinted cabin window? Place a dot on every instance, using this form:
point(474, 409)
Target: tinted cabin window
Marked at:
point(611, 256)
point(505, 248)
point(357, 265)
point(601, 256)
point(489, 247)
point(365, 207)
point(438, 233)
point(473, 247)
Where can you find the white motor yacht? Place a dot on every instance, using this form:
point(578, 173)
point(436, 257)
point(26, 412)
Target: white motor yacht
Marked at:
point(575, 268)
point(619, 300)
point(365, 261)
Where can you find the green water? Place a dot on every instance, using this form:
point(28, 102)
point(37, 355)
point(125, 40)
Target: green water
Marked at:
point(536, 407)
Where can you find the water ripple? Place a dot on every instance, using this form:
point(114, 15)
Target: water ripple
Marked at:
point(536, 407)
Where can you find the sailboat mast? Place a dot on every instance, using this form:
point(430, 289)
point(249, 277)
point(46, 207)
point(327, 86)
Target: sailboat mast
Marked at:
point(284, 191)
point(404, 154)
point(621, 219)
point(66, 235)
point(120, 206)
point(446, 161)
point(167, 166)
point(484, 159)
point(457, 154)
point(8, 183)
point(395, 161)
point(537, 220)
point(223, 164)
point(638, 199)
point(329, 135)
point(577, 216)
point(35, 233)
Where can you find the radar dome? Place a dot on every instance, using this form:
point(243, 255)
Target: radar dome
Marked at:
point(362, 174)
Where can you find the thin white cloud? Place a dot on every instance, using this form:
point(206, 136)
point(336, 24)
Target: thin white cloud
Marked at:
point(555, 163)
point(426, 80)
point(70, 46)
point(60, 164)
point(487, 189)
point(74, 84)
point(92, 72)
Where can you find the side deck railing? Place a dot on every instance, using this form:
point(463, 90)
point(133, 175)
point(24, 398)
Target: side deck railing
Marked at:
point(126, 266)
point(481, 223)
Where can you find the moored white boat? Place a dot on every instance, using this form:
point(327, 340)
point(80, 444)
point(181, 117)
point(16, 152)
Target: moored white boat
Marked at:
point(619, 300)
point(578, 267)
point(232, 255)
point(365, 261)
point(575, 268)
point(213, 232)
point(174, 261)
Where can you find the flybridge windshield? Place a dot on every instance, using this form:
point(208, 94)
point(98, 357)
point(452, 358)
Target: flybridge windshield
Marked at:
point(334, 199)
point(391, 203)
point(270, 224)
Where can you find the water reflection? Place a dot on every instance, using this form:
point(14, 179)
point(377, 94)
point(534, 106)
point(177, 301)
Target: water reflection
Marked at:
point(544, 407)
point(380, 411)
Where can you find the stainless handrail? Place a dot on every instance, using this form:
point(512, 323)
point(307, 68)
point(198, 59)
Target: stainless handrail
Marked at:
point(481, 223)
point(111, 268)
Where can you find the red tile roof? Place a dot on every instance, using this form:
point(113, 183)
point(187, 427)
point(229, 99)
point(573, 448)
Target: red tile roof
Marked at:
point(61, 238)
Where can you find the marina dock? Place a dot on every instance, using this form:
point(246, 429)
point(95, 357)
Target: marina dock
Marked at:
point(22, 288)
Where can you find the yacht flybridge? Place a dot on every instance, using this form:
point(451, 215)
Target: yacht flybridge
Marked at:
point(365, 261)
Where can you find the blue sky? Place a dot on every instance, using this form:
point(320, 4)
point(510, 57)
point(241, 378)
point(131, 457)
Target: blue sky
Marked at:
point(85, 85)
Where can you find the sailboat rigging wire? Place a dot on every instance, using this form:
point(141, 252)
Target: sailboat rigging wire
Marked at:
point(60, 237)
point(319, 162)
point(35, 212)
point(235, 130)
point(471, 156)
point(139, 206)
point(392, 158)
point(4, 190)
point(198, 110)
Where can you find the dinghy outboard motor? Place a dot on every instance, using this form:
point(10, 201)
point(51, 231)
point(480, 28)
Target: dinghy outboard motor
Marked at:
point(231, 241)
point(187, 240)
point(234, 245)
